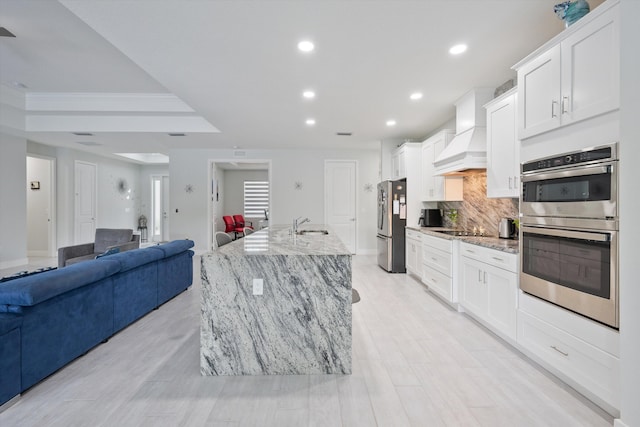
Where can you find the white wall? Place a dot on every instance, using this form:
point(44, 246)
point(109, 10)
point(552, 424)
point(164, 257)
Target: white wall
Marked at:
point(13, 201)
point(629, 208)
point(287, 168)
point(38, 206)
point(115, 210)
point(217, 197)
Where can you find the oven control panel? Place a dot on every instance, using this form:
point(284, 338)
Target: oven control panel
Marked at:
point(579, 157)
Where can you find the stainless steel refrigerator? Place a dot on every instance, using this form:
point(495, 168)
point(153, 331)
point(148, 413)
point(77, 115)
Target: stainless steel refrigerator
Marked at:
point(392, 218)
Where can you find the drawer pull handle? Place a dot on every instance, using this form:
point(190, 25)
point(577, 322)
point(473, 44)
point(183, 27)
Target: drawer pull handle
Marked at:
point(559, 351)
point(470, 251)
point(498, 259)
point(435, 259)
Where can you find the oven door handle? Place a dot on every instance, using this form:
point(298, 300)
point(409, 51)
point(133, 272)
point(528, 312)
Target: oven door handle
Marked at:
point(570, 172)
point(583, 235)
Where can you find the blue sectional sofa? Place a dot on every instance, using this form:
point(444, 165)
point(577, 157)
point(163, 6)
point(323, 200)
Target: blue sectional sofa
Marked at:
point(49, 319)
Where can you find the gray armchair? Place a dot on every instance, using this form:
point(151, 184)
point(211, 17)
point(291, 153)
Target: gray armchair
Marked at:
point(106, 238)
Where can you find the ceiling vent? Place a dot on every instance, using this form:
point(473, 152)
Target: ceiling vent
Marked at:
point(177, 134)
point(344, 133)
point(83, 133)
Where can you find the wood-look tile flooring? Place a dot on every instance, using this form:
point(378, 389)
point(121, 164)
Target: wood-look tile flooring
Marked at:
point(415, 362)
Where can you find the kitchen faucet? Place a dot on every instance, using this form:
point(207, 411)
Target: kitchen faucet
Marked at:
point(296, 223)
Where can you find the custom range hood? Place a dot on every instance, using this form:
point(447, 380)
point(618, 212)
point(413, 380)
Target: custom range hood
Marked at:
point(468, 149)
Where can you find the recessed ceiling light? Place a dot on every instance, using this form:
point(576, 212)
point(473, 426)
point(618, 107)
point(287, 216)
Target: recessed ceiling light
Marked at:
point(391, 122)
point(415, 96)
point(458, 49)
point(306, 46)
point(309, 94)
point(311, 122)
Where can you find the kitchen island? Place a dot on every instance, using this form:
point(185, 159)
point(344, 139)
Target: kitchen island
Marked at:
point(277, 303)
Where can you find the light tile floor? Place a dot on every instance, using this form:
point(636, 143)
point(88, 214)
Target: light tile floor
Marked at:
point(416, 362)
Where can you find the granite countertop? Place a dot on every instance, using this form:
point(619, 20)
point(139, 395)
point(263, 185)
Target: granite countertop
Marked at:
point(278, 240)
point(504, 245)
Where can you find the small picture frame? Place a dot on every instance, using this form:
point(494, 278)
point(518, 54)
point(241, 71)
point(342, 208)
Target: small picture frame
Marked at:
point(35, 185)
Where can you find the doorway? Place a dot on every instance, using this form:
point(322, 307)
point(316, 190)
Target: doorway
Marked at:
point(41, 207)
point(340, 199)
point(230, 195)
point(160, 208)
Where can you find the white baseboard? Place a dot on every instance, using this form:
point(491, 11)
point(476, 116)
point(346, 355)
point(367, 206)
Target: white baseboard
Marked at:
point(618, 423)
point(14, 263)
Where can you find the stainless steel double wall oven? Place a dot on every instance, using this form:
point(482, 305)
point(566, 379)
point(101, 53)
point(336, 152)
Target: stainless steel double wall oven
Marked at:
point(569, 231)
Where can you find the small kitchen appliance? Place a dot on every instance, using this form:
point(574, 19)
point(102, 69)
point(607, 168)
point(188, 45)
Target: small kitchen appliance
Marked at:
point(430, 218)
point(507, 228)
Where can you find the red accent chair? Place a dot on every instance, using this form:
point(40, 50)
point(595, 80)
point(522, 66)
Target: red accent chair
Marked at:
point(231, 227)
point(240, 222)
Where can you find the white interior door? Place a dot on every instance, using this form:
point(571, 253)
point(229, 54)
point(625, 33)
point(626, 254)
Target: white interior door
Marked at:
point(165, 208)
point(340, 199)
point(86, 205)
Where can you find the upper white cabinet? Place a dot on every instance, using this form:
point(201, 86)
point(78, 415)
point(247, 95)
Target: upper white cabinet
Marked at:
point(575, 78)
point(503, 146)
point(401, 159)
point(435, 187)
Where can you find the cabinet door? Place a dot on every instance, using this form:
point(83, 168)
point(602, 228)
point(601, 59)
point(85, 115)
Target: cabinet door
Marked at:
point(412, 255)
point(539, 94)
point(395, 165)
point(426, 171)
point(591, 69)
point(503, 154)
point(474, 295)
point(502, 287)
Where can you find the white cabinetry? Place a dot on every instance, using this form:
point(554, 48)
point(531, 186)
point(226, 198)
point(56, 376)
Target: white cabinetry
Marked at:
point(439, 261)
point(489, 286)
point(583, 353)
point(414, 252)
point(574, 77)
point(435, 187)
point(402, 159)
point(503, 147)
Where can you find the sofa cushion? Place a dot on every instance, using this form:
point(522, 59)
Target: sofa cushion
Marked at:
point(106, 237)
point(174, 247)
point(134, 258)
point(32, 290)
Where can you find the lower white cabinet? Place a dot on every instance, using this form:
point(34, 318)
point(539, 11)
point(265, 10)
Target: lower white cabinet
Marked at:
point(583, 353)
point(413, 252)
point(439, 261)
point(489, 287)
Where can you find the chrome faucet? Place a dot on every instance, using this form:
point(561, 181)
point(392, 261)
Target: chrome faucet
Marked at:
point(296, 223)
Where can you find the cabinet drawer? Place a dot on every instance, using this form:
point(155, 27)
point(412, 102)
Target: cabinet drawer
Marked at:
point(436, 259)
point(414, 235)
point(437, 282)
point(438, 243)
point(496, 258)
point(594, 370)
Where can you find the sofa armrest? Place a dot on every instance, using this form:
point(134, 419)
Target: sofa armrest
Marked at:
point(74, 251)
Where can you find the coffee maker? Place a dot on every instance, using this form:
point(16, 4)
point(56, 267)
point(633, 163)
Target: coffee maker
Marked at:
point(430, 218)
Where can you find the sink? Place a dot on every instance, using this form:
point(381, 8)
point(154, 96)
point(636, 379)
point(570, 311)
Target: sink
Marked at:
point(312, 232)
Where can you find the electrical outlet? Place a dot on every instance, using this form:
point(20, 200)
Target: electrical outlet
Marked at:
point(257, 286)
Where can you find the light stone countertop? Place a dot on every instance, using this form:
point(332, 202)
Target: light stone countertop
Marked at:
point(504, 245)
point(278, 240)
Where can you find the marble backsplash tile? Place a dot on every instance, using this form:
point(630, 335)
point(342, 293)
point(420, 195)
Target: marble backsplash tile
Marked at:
point(476, 210)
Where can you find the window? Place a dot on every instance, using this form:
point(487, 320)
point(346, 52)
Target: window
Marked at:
point(256, 198)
